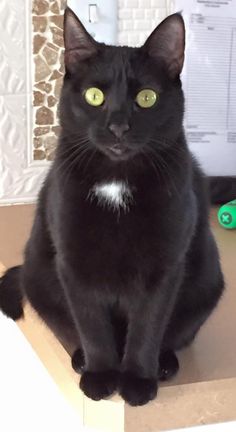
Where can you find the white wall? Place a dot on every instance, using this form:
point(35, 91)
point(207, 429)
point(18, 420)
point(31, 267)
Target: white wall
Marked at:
point(20, 176)
point(137, 18)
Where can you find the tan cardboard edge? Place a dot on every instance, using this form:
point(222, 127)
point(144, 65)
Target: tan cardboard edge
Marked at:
point(185, 405)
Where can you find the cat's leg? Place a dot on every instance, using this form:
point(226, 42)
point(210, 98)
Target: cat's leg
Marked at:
point(40, 284)
point(148, 319)
point(201, 290)
point(101, 372)
point(168, 363)
point(120, 329)
point(187, 321)
point(45, 293)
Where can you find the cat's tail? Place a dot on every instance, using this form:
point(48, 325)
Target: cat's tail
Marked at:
point(11, 295)
point(222, 189)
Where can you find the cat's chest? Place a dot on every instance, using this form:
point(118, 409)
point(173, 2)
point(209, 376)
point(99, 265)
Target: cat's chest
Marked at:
point(115, 229)
point(115, 196)
point(114, 215)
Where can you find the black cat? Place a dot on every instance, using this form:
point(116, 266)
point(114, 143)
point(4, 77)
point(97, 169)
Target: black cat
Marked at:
point(121, 262)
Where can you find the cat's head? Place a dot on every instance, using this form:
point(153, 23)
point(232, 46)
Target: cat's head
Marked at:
point(120, 100)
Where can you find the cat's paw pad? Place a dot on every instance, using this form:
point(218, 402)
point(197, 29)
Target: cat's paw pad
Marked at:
point(168, 365)
point(77, 361)
point(137, 390)
point(99, 385)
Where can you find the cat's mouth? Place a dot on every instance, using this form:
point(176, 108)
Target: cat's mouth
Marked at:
point(117, 152)
point(115, 149)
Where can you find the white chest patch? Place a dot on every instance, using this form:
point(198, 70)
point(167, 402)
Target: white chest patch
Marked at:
point(116, 195)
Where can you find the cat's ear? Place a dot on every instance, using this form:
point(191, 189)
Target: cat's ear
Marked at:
point(167, 42)
point(79, 45)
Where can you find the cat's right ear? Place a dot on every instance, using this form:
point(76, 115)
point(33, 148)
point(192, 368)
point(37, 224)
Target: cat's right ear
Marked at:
point(79, 45)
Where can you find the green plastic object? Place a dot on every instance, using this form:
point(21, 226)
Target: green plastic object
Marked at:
point(227, 215)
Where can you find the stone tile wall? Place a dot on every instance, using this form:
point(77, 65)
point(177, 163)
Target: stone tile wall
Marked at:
point(47, 16)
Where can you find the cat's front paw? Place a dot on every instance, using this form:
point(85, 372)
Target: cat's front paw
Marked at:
point(99, 385)
point(137, 390)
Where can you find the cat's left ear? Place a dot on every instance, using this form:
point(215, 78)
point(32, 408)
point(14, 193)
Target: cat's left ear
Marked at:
point(167, 42)
point(79, 45)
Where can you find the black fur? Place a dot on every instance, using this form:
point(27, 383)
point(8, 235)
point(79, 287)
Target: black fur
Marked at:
point(128, 287)
point(222, 189)
point(11, 297)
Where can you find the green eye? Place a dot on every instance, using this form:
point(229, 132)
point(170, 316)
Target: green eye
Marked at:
point(94, 96)
point(146, 98)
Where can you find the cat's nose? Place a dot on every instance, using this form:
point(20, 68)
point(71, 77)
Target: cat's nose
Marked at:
point(118, 129)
